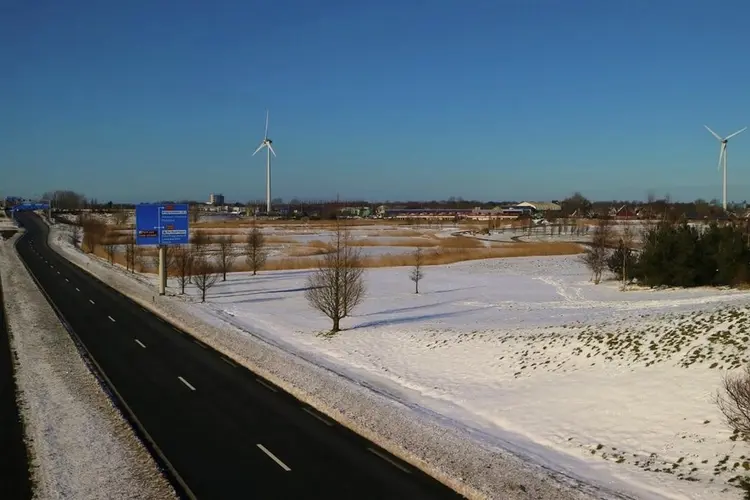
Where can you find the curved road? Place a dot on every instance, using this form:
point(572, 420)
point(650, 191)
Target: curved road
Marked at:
point(227, 433)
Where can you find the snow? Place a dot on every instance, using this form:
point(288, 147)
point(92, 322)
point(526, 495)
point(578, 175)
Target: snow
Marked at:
point(525, 355)
point(79, 445)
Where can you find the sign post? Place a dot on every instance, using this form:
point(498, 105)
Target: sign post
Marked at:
point(162, 225)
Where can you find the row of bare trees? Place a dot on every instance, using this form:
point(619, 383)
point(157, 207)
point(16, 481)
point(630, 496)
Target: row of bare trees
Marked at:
point(198, 264)
point(334, 288)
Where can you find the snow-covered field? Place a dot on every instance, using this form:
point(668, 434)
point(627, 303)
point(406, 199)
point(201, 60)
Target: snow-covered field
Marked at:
point(527, 351)
point(525, 354)
point(79, 445)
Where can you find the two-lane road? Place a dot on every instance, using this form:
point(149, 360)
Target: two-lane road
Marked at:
point(227, 433)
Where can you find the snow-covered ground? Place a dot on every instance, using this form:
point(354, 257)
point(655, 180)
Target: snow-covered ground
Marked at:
point(79, 445)
point(529, 352)
point(527, 355)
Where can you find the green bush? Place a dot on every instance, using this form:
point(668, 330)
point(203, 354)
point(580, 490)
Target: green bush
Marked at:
point(676, 254)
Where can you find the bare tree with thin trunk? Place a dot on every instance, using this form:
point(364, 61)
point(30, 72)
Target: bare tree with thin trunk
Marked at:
point(255, 249)
point(337, 286)
point(226, 255)
point(734, 402)
point(595, 256)
point(416, 273)
point(139, 258)
point(110, 247)
point(183, 265)
point(130, 251)
point(120, 217)
point(93, 234)
point(201, 240)
point(204, 274)
point(195, 214)
point(75, 235)
point(628, 238)
point(169, 257)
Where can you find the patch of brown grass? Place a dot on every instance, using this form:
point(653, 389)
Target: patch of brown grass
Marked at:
point(460, 242)
point(411, 242)
point(304, 251)
point(278, 239)
point(435, 256)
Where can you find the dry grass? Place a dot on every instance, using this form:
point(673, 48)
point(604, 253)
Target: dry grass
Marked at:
point(434, 257)
point(411, 242)
point(304, 251)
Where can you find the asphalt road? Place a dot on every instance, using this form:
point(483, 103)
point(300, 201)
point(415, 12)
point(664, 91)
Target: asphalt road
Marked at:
point(14, 470)
point(227, 433)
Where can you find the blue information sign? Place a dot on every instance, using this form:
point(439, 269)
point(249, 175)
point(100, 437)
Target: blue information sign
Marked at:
point(157, 224)
point(31, 207)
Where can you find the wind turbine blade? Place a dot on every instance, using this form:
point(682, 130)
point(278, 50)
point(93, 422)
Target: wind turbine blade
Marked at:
point(259, 148)
point(739, 131)
point(721, 155)
point(714, 133)
point(271, 148)
point(266, 136)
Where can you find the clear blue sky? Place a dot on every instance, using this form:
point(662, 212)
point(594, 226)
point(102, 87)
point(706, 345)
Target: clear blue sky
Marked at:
point(505, 99)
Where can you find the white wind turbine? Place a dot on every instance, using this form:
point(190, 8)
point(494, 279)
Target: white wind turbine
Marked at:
point(266, 143)
point(723, 156)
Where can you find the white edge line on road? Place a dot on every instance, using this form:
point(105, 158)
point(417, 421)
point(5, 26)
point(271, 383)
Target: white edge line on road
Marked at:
point(176, 329)
point(200, 344)
point(140, 343)
point(273, 457)
point(388, 459)
point(269, 387)
point(314, 414)
point(186, 383)
point(92, 301)
point(111, 319)
point(227, 361)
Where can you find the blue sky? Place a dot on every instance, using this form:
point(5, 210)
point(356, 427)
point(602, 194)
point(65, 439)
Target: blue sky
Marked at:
point(419, 99)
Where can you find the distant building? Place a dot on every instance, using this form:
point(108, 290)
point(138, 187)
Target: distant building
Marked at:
point(541, 206)
point(216, 199)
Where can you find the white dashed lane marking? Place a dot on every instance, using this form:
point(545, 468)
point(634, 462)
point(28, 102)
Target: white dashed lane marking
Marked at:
point(186, 383)
point(273, 457)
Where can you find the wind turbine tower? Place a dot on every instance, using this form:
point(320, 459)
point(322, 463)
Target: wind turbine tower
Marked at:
point(723, 157)
point(266, 143)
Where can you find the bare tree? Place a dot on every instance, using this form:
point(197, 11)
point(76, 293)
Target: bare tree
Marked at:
point(130, 253)
point(226, 255)
point(595, 256)
point(201, 240)
point(337, 286)
point(111, 248)
point(627, 239)
point(734, 402)
point(416, 273)
point(195, 213)
point(255, 249)
point(183, 265)
point(120, 217)
point(169, 264)
point(75, 235)
point(139, 258)
point(204, 274)
point(93, 234)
